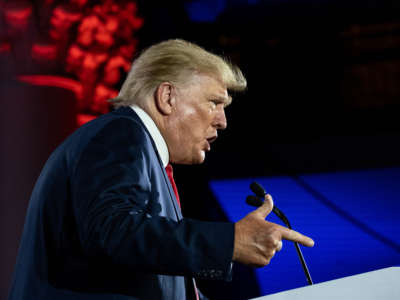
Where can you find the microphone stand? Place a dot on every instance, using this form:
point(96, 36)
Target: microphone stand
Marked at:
point(256, 201)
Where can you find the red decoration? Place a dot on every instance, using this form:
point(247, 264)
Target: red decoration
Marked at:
point(103, 49)
point(44, 52)
point(56, 81)
point(93, 43)
point(84, 118)
point(61, 22)
point(17, 15)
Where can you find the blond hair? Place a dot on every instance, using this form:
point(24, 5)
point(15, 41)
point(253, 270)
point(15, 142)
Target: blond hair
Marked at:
point(174, 61)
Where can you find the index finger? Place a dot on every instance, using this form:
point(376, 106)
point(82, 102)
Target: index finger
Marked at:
point(292, 235)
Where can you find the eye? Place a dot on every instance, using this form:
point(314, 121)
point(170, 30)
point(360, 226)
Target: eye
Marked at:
point(214, 103)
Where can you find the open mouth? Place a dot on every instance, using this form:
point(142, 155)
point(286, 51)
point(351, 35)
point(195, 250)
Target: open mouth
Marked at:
point(211, 139)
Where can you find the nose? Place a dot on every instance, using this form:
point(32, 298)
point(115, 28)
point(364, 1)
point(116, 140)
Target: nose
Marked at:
point(220, 119)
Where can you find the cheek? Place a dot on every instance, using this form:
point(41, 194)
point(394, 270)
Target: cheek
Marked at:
point(195, 122)
point(200, 127)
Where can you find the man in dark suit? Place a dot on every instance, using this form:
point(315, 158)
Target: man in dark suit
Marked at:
point(104, 220)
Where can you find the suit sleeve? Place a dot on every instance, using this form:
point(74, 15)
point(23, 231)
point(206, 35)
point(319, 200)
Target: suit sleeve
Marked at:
point(112, 202)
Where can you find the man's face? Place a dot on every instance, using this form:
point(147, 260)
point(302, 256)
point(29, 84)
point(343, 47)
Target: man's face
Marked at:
point(198, 113)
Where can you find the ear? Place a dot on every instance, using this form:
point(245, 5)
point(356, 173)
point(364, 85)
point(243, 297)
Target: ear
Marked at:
point(164, 98)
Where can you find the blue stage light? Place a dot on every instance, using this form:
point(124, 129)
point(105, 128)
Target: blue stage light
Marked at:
point(352, 216)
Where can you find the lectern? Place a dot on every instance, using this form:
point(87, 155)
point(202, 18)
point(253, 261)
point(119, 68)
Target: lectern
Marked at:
point(379, 284)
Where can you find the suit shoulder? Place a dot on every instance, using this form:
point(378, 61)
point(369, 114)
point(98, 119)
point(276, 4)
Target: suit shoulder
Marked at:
point(123, 127)
point(117, 124)
point(109, 131)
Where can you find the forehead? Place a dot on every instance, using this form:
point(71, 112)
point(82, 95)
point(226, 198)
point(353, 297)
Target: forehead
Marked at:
point(210, 87)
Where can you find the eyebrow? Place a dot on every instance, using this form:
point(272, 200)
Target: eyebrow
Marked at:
point(226, 100)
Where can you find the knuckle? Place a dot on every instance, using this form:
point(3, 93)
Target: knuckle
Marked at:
point(279, 247)
point(261, 261)
point(266, 261)
point(269, 254)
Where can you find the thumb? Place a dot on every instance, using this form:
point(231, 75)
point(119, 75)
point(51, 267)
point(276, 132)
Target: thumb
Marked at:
point(266, 208)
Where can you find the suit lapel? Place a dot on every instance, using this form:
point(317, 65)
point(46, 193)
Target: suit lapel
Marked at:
point(172, 194)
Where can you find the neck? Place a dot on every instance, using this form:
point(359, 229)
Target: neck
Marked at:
point(159, 119)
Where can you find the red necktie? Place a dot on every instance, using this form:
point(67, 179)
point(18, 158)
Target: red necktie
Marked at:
point(170, 174)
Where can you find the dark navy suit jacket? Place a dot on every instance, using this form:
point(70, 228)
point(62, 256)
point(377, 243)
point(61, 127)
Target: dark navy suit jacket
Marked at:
point(103, 223)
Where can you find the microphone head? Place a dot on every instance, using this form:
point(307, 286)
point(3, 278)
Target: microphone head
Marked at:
point(258, 189)
point(254, 201)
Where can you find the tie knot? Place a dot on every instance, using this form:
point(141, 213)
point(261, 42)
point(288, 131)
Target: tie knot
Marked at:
point(169, 170)
point(170, 174)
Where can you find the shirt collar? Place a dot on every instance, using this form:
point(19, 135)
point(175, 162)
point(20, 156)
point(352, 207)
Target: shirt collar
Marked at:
point(155, 134)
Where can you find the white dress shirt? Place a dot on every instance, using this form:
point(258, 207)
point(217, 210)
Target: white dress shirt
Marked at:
point(155, 134)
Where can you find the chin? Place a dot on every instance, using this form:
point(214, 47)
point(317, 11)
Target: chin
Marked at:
point(196, 159)
point(199, 159)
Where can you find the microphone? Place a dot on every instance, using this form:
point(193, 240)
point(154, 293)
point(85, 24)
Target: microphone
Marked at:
point(257, 202)
point(254, 201)
point(260, 192)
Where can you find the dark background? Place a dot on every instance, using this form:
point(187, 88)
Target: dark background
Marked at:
point(323, 95)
